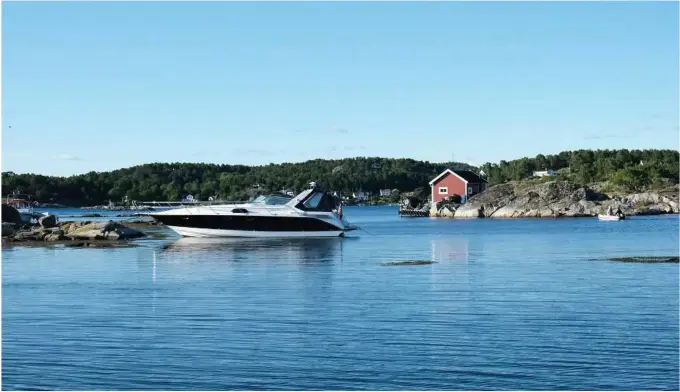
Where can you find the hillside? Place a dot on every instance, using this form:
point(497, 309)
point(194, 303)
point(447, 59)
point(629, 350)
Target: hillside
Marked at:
point(605, 170)
point(171, 181)
point(612, 171)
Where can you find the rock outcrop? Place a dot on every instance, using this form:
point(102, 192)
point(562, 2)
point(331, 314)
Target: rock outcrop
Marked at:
point(101, 231)
point(11, 215)
point(552, 199)
point(445, 211)
point(445, 208)
point(486, 203)
point(8, 228)
point(72, 231)
point(147, 222)
point(47, 221)
point(555, 199)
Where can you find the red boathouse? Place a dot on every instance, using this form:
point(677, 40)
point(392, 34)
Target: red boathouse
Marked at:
point(463, 183)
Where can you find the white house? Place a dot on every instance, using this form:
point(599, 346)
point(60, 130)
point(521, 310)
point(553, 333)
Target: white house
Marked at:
point(287, 192)
point(361, 195)
point(544, 173)
point(385, 192)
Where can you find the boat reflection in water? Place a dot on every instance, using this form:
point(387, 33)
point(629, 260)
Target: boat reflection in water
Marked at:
point(305, 266)
point(303, 250)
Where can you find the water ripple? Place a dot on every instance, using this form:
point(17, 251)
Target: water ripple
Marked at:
point(512, 304)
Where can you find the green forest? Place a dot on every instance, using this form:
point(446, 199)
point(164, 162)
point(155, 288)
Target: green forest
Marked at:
point(631, 170)
point(625, 170)
point(173, 181)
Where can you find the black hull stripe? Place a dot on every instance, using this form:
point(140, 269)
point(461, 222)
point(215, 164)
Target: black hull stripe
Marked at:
point(246, 223)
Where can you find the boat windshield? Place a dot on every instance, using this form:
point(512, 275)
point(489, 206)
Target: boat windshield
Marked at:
point(318, 201)
point(271, 200)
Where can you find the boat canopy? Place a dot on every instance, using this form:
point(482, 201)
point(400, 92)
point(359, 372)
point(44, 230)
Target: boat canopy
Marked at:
point(318, 201)
point(316, 198)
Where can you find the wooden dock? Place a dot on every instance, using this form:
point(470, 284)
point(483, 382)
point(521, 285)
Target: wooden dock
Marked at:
point(411, 212)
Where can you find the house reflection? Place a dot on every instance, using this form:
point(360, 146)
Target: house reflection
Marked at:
point(450, 249)
point(452, 255)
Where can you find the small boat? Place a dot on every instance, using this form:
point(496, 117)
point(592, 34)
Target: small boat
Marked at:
point(611, 217)
point(312, 213)
point(25, 209)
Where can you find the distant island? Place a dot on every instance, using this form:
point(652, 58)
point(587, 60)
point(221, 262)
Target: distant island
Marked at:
point(385, 179)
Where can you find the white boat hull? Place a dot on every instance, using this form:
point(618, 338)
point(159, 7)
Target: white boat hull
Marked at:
point(213, 233)
point(26, 216)
point(31, 216)
point(311, 214)
point(609, 217)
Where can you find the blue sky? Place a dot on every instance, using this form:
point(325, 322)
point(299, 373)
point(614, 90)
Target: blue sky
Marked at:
point(100, 86)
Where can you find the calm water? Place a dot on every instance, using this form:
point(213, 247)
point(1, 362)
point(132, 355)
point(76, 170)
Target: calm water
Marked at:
point(510, 304)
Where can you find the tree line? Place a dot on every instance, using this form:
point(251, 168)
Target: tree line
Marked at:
point(173, 181)
point(629, 169)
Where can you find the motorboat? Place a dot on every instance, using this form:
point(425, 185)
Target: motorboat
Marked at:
point(611, 217)
point(312, 213)
point(25, 209)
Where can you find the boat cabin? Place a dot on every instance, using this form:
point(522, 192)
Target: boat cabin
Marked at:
point(315, 199)
point(20, 204)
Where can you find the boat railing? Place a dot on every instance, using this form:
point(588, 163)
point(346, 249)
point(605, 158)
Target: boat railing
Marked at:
point(268, 210)
point(183, 204)
point(211, 204)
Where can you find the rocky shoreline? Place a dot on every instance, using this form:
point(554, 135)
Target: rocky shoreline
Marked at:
point(553, 200)
point(87, 233)
point(69, 231)
point(77, 233)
